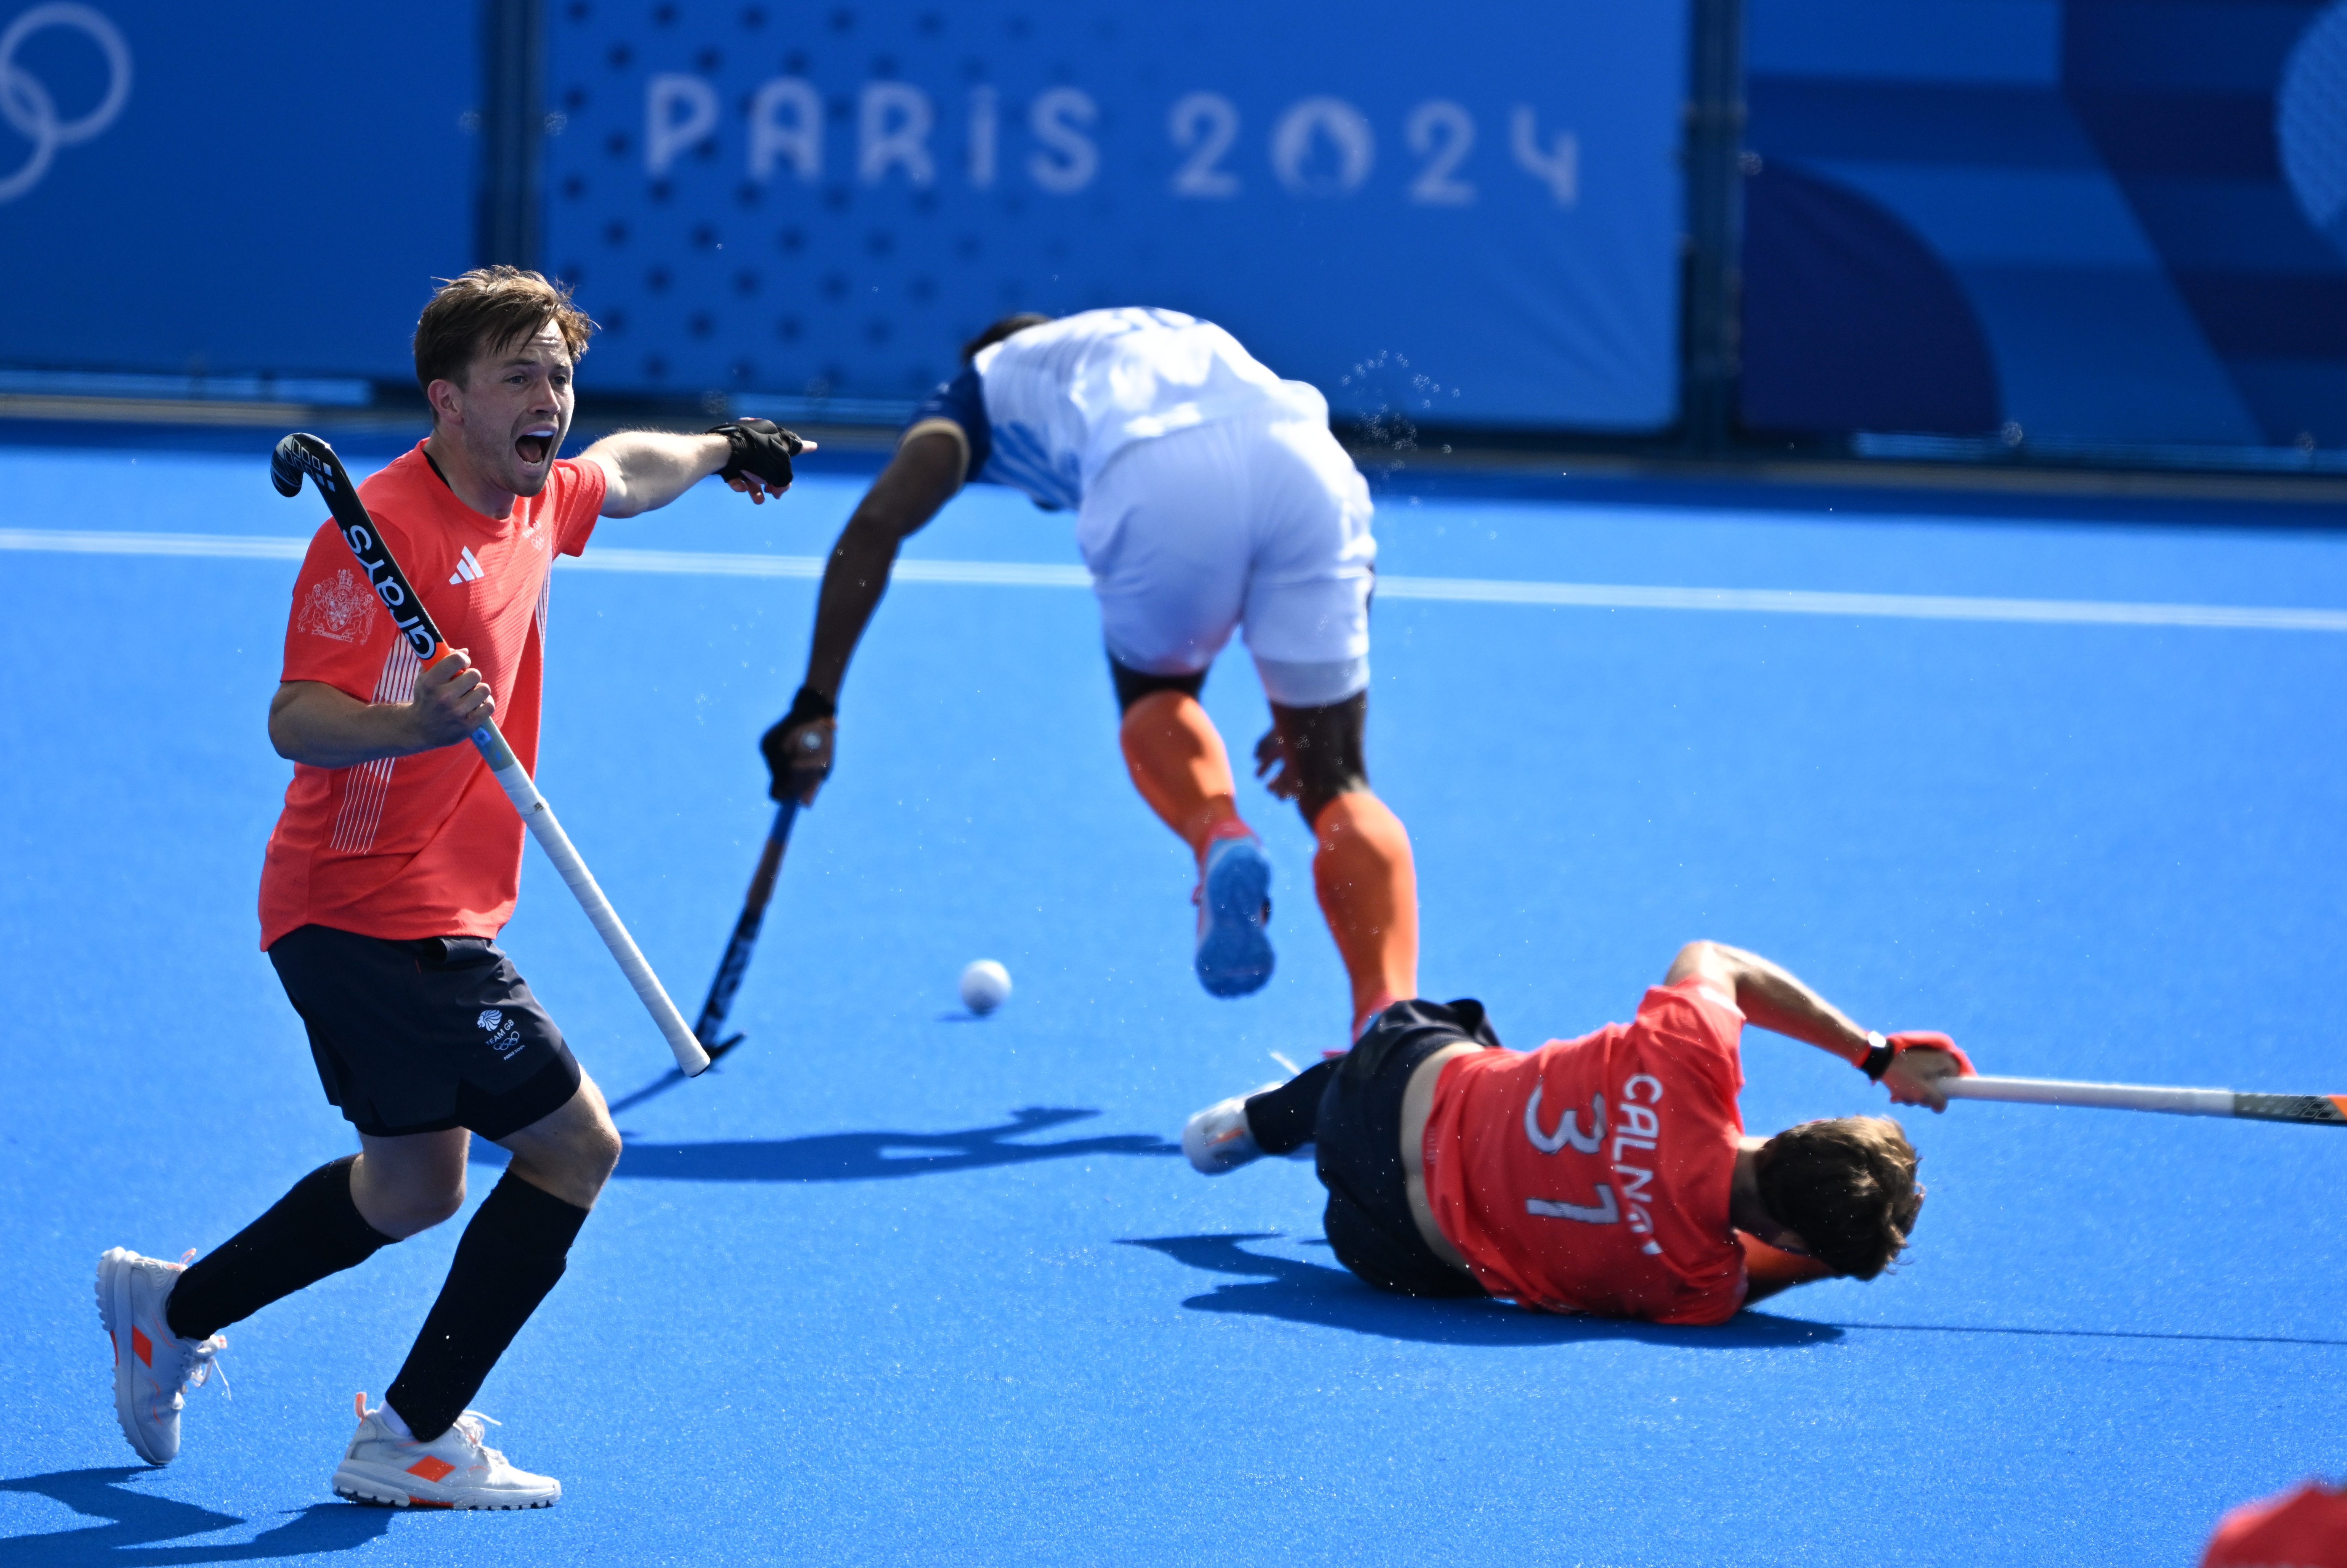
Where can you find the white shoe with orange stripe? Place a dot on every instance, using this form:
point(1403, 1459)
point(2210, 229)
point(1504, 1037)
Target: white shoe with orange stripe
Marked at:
point(153, 1367)
point(1218, 1140)
point(454, 1470)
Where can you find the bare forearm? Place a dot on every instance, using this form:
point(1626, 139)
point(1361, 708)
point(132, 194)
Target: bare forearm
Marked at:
point(921, 478)
point(853, 581)
point(646, 470)
point(1773, 998)
point(326, 728)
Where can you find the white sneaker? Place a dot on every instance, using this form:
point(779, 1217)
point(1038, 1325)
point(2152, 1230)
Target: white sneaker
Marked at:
point(1218, 1138)
point(153, 1367)
point(454, 1470)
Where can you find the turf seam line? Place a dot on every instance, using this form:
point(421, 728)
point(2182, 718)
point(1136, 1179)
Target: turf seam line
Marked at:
point(2079, 1334)
point(1430, 589)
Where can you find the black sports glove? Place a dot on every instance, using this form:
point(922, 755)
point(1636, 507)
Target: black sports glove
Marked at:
point(759, 446)
point(798, 748)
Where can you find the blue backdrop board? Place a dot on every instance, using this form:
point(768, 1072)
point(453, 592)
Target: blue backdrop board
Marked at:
point(2116, 220)
point(266, 188)
point(1476, 220)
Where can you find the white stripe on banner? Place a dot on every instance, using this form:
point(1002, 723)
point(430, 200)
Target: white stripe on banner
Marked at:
point(1436, 589)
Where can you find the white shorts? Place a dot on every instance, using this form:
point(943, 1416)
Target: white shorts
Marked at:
point(1260, 523)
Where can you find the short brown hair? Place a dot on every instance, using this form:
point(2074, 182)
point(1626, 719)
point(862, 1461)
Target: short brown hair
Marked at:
point(1000, 330)
point(482, 311)
point(1847, 1187)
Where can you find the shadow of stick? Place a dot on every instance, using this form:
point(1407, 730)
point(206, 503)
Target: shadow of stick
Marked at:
point(866, 1157)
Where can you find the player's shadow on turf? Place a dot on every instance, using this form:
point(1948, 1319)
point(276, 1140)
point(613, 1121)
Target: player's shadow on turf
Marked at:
point(139, 1520)
point(865, 1156)
point(1311, 1293)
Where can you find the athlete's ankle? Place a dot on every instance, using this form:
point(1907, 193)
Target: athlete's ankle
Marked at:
point(1224, 825)
point(393, 1423)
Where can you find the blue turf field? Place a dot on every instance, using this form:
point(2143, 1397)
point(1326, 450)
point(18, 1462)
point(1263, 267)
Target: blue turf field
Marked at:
point(896, 1287)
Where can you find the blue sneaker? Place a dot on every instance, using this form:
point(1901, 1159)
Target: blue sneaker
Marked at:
point(1234, 907)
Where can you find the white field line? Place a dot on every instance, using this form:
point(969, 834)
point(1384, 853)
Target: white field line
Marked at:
point(89, 542)
point(1437, 590)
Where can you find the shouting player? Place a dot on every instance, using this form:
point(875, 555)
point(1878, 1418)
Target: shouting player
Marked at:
point(1608, 1174)
point(1208, 497)
point(393, 867)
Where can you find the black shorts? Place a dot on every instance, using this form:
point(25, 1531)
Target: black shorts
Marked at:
point(1358, 1139)
point(426, 1035)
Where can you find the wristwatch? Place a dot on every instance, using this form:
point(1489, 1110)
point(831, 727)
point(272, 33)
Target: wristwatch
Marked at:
point(1879, 1054)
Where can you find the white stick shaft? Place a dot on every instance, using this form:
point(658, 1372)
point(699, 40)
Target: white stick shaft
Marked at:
point(521, 789)
point(2106, 1096)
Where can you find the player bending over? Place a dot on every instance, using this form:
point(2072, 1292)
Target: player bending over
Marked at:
point(1209, 497)
point(393, 867)
point(1607, 1174)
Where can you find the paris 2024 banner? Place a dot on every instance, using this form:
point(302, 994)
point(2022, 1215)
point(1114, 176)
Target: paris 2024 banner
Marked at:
point(1469, 214)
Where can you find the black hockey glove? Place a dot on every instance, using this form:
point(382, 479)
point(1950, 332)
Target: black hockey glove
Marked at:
point(760, 448)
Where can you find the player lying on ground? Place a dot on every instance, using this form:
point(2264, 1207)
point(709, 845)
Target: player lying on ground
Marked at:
point(393, 867)
point(1607, 1174)
point(1209, 497)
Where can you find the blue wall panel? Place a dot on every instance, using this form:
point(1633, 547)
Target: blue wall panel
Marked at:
point(271, 190)
point(2131, 196)
point(1475, 221)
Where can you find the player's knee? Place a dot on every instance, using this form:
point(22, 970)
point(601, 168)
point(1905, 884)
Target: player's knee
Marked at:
point(416, 1208)
point(589, 1153)
point(444, 1205)
point(1323, 746)
point(1320, 794)
point(1134, 686)
point(601, 1157)
point(594, 1151)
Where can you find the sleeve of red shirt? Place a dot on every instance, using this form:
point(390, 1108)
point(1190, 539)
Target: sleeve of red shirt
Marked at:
point(579, 505)
point(2307, 1527)
point(1691, 1022)
point(337, 633)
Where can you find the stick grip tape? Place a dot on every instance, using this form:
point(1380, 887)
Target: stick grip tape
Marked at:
point(2322, 1109)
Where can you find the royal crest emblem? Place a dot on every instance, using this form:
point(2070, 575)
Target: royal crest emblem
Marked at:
point(338, 608)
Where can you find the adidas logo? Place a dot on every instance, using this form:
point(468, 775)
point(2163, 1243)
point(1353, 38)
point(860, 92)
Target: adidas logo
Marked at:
point(468, 568)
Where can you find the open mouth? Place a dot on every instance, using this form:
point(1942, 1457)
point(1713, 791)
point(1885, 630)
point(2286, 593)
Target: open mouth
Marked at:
point(535, 447)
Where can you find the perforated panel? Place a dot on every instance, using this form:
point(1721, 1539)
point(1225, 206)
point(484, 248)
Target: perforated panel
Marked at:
point(824, 200)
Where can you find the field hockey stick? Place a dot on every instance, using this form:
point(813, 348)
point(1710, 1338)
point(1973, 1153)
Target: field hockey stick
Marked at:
point(736, 962)
point(2319, 1109)
point(300, 454)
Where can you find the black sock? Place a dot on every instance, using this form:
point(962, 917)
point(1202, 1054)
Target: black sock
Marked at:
point(510, 1256)
point(1285, 1118)
point(311, 1232)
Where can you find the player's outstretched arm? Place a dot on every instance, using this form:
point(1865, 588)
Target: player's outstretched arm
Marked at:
point(923, 477)
point(1771, 997)
point(644, 470)
point(326, 727)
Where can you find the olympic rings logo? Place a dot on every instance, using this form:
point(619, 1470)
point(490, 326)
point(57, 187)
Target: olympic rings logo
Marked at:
point(27, 106)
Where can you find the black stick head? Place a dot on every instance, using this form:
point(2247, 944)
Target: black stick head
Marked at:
point(301, 453)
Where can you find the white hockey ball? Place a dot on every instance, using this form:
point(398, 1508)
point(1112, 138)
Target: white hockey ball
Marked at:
point(985, 986)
